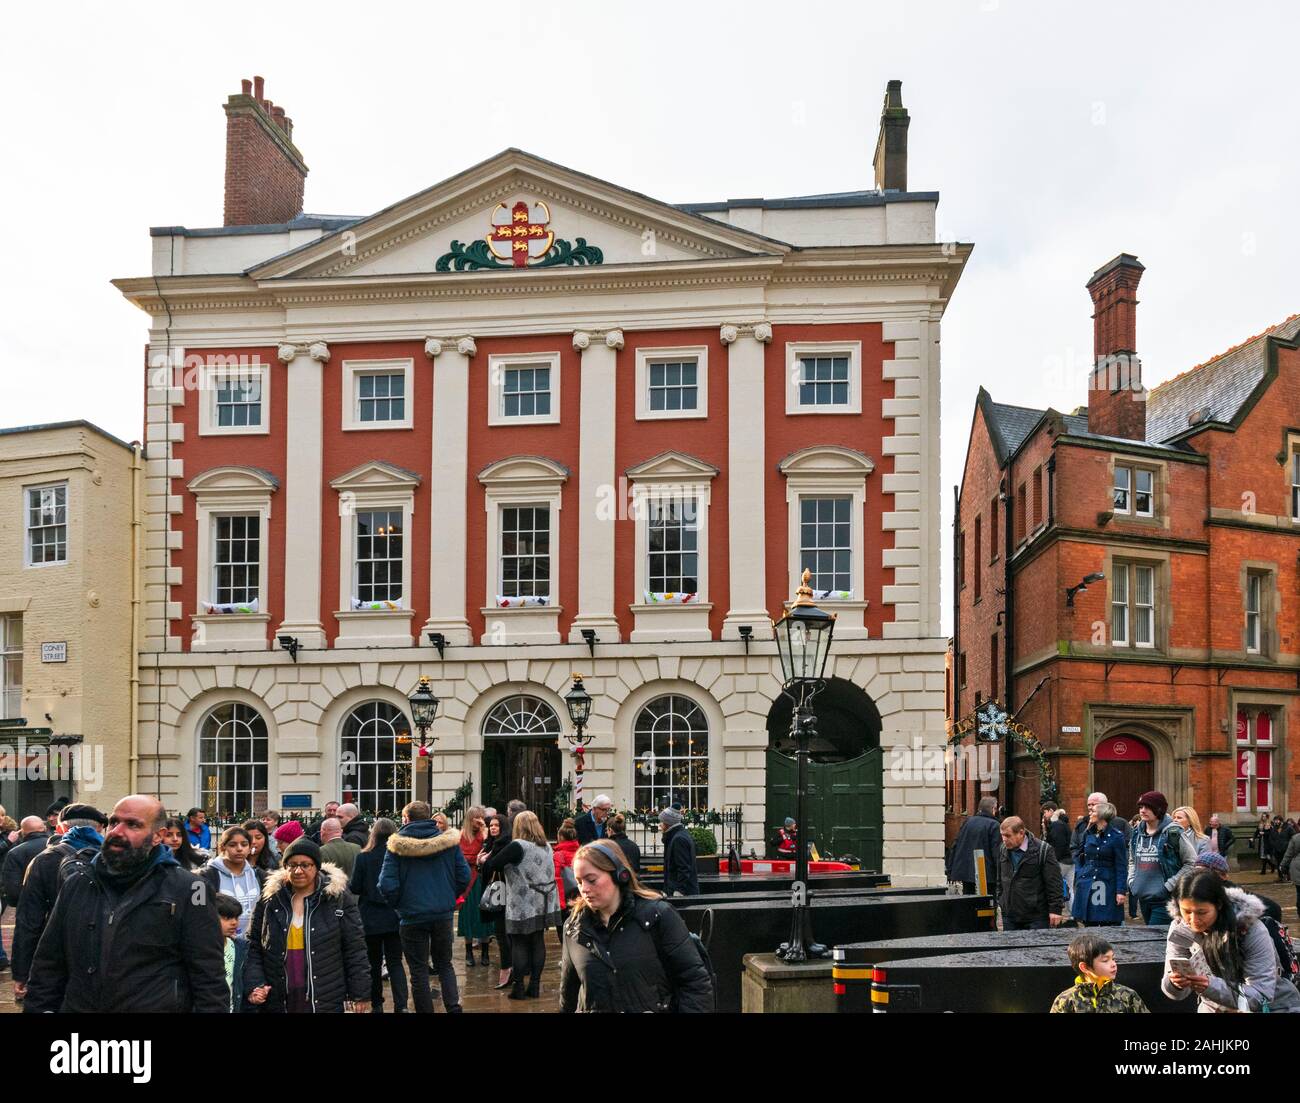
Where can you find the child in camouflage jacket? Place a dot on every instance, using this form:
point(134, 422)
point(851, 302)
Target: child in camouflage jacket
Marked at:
point(1095, 990)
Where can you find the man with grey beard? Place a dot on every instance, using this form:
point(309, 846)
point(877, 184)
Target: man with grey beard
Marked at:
point(131, 930)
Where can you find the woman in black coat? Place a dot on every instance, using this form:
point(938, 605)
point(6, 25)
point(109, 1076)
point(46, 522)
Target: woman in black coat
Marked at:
point(617, 830)
point(498, 838)
point(306, 945)
point(625, 948)
point(383, 942)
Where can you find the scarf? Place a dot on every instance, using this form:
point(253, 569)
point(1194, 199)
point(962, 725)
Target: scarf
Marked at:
point(82, 837)
point(162, 855)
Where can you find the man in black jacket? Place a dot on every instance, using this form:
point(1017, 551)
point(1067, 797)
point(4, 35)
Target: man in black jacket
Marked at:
point(591, 824)
point(1033, 896)
point(1220, 837)
point(81, 825)
point(980, 832)
point(131, 931)
point(680, 876)
point(354, 825)
point(34, 839)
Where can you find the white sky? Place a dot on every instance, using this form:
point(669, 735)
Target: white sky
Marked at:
point(1058, 135)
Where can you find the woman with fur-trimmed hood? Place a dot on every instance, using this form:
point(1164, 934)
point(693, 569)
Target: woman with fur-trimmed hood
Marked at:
point(1218, 949)
point(306, 944)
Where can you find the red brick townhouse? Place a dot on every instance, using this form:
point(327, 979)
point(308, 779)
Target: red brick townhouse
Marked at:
point(524, 423)
point(1128, 582)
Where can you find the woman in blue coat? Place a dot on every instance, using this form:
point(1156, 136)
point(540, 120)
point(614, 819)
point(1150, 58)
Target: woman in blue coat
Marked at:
point(1101, 873)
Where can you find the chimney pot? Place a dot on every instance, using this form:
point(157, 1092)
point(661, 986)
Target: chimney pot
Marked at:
point(258, 86)
point(246, 86)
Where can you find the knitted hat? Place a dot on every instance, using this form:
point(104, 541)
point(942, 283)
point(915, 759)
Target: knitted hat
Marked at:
point(1156, 802)
point(301, 848)
point(1211, 860)
point(287, 832)
point(789, 821)
point(82, 812)
point(670, 817)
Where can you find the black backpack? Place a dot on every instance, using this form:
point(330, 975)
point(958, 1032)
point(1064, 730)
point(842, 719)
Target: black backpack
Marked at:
point(1284, 948)
point(700, 949)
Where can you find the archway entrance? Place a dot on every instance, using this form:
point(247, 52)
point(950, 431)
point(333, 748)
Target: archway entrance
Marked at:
point(1123, 768)
point(845, 774)
point(521, 758)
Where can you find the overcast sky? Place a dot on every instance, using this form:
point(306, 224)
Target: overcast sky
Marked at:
point(1058, 135)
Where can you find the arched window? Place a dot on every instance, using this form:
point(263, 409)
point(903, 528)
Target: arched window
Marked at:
point(672, 754)
point(522, 716)
point(233, 759)
point(375, 758)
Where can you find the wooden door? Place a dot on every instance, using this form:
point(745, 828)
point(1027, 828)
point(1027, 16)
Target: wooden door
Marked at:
point(1123, 769)
point(844, 808)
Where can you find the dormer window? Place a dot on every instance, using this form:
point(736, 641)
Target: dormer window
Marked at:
point(1134, 491)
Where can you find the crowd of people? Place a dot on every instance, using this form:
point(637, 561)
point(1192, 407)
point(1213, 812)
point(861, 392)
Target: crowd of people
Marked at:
point(1224, 945)
point(137, 911)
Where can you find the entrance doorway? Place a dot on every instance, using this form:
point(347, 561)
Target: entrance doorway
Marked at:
point(845, 774)
point(521, 757)
point(1123, 768)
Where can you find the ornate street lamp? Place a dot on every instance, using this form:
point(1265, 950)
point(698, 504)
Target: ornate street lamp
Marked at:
point(578, 702)
point(424, 710)
point(803, 642)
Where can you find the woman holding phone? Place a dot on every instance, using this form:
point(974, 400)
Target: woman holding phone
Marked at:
point(1218, 949)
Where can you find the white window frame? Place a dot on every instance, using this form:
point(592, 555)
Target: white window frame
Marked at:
point(795, 350)
point(67, 524)
point(214, 534)
point(521, 481)
point(665, 477)
point(1295, 486)
point(369, 507)
point(551, 536)
point(396, 493)
point(353, 370)
point(694, 502)
point(1254, 581)
point(497, 365)
point(646, 356)
point(855, 521)
point(831, 471)
point(227, 491)
point(11, 694)
point(210, 375)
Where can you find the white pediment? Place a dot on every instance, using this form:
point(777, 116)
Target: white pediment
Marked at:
point(671, 467)
point(824, 460)
point(466, 215)
point(376, 475)
point(233, 480)
point(524, 472)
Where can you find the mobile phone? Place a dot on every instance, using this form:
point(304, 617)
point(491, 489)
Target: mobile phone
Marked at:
point(1181, 965)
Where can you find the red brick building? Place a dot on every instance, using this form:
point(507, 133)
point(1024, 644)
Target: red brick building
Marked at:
point(1127, 577)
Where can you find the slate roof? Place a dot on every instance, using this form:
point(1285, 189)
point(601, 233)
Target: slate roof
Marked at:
point(1219, 387)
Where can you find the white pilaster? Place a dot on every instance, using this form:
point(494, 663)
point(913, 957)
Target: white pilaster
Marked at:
point(448, 490)
point(304, 468)
point(596, 485)
point(745, 468)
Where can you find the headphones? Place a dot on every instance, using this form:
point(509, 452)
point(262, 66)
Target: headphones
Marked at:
point(622, 874)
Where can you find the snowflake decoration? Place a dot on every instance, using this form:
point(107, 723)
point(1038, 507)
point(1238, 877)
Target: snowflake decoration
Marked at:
point(992, 722)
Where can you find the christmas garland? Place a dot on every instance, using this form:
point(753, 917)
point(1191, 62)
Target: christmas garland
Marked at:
point(459, 799)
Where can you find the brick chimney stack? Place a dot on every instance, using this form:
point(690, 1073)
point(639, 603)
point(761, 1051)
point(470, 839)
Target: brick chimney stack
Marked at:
point(1117, 401)
point(265, 172)
point(891, 145)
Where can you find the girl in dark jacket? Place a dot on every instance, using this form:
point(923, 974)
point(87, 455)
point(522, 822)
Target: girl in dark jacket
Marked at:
point(306, 945)
point(383, 942)
point(498, 838)
point(626, 949)
point(616, 829)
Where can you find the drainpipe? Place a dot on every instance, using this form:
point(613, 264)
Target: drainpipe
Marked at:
point(1008, 621)
point(956, 605)
point(136, 525)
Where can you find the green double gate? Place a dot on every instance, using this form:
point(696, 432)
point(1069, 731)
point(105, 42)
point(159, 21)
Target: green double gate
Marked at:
point(843, 807)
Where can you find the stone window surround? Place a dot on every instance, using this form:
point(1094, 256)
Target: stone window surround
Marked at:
point(1159, 591)
point(373, 486)
point(644, 356)
point(497, 365)
point(520, 481)
point(1268, 606)
point(209, 376)
point(352, 372)
point(796, 349)
point(1291, 451)
point(228, 491)
point(1258, 701)
point(670, 475)
point(1159, 469)
point(822, 471)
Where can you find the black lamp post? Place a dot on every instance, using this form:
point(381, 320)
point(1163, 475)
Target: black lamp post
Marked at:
point(803, 641)
point(424, 710)
point(578, 702)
